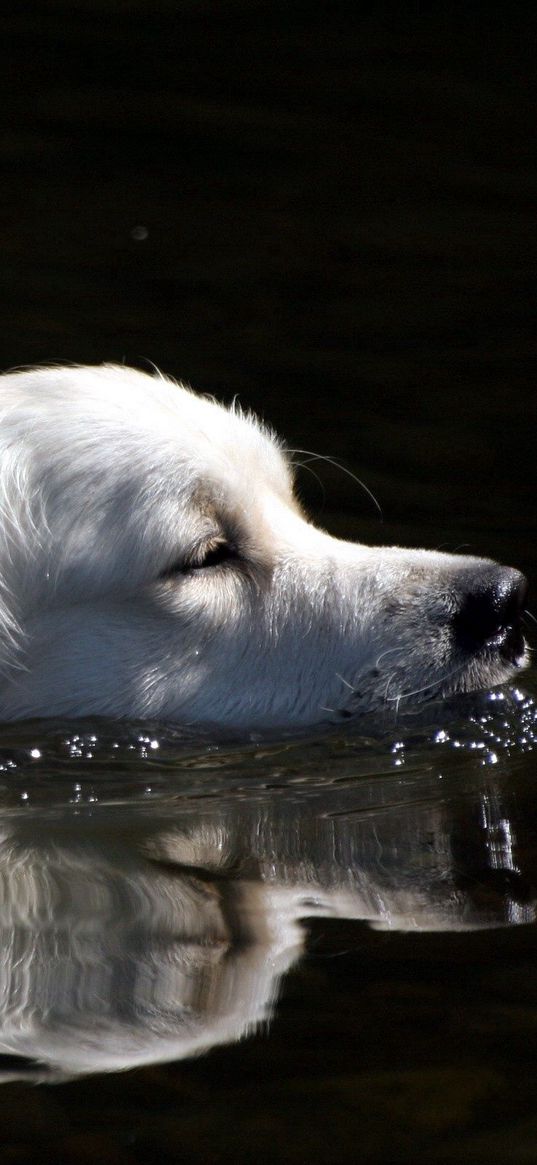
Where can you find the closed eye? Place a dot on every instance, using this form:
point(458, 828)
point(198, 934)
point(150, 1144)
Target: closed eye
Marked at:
point(212, 554)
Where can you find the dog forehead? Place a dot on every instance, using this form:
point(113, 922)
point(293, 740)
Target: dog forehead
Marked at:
point(83, 412)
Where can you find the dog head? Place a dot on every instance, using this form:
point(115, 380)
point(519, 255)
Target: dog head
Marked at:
point(154, 562)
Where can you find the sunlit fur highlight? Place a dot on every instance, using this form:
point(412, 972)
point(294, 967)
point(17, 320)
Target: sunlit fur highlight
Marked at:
point(114, 484)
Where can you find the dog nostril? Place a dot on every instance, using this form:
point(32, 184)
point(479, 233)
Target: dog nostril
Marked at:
point(490, 613)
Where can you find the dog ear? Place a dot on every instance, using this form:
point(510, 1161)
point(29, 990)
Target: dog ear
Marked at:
point(11, 634)
point(19, 546)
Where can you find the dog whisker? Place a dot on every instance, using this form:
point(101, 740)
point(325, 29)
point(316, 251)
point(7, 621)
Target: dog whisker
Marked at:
point(436, 683)
point(343, 469)
point(385, 654)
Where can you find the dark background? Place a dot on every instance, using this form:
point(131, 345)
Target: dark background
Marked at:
point(328, 208)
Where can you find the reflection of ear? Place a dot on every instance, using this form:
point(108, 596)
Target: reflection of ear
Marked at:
point(154, 960)
point(267, 941)
point(206, 848)
point(265, 938)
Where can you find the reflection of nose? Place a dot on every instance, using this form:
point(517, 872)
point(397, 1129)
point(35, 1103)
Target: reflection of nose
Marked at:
point(491, 610)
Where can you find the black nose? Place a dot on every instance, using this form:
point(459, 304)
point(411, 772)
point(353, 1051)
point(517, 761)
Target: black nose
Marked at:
point(490, 612)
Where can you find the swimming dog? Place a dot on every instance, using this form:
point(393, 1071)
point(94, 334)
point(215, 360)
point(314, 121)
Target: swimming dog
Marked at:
point(155, 562)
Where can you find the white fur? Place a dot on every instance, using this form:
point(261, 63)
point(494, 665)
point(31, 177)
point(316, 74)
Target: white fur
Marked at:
point(134, 945)
point(108, 477)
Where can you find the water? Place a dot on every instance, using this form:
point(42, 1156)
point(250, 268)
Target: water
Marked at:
point(283, 934)
point(330, 211)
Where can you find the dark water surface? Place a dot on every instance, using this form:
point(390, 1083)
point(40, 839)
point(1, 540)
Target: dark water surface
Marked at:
point(300, 948)
point(303, 950)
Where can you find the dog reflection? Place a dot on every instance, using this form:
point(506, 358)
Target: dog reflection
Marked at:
point(122, 951)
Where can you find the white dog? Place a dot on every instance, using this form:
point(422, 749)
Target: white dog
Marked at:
point(155, 563)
